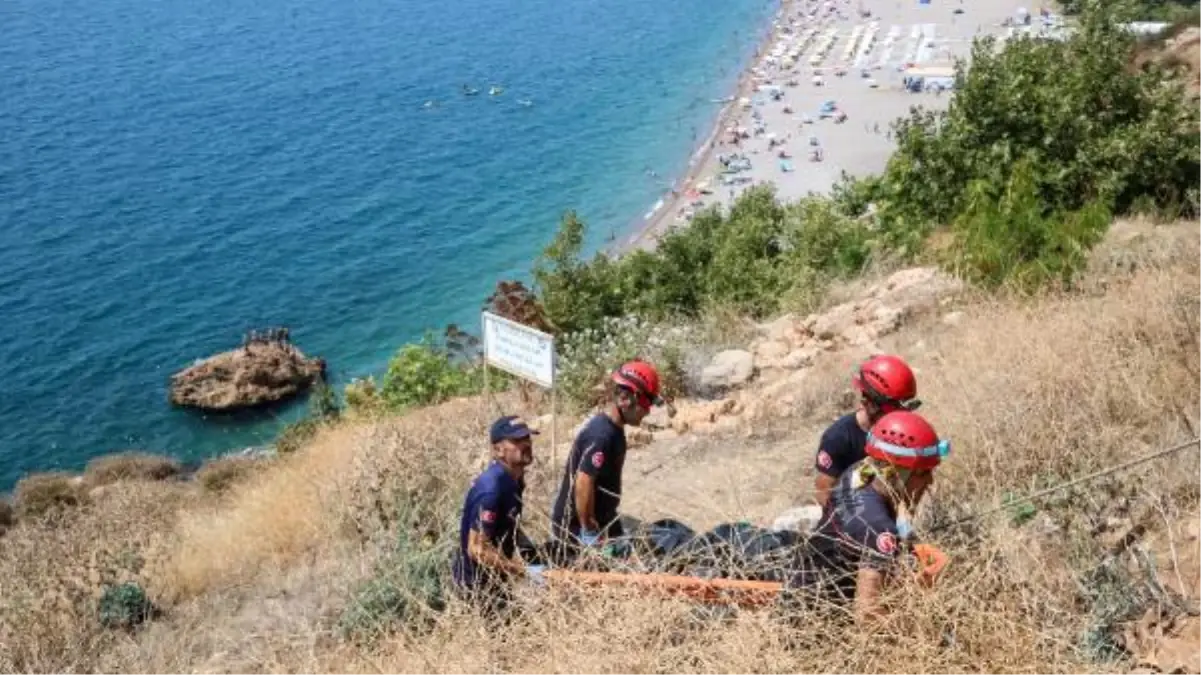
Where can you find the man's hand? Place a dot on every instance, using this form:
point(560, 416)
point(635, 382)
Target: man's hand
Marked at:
point(590, 538)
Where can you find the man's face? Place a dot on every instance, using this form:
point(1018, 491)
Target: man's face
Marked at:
point(633, 407)
point(916, 484)
point(516, 452)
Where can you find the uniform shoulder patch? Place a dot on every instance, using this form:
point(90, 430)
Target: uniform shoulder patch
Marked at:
point(886, 542)
point(488, 516)
point(598, 459)
point(824, 460)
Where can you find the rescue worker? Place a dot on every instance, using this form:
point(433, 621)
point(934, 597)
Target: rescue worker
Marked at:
point(489, 527)
point(585, 509)
point(868, 523)
point(885, 384)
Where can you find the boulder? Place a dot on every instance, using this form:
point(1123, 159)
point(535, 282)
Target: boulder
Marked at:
point(729, 368)
point(257, 374)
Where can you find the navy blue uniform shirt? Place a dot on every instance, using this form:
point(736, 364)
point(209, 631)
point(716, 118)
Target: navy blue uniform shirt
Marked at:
point(492, 508)
point(599, 451)
point(841, 446)
point(861, 526)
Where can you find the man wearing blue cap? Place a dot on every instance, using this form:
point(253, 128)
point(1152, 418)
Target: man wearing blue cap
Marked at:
point(488, 530)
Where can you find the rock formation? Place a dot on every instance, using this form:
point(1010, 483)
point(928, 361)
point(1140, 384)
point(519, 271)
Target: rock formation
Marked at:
point(266, 369)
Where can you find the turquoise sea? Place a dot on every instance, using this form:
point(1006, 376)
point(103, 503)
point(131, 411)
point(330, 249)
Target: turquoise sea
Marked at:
point(173, 174)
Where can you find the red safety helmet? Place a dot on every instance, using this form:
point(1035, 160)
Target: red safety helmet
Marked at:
point(906, 440)
point(888, 382)
point(641, 378)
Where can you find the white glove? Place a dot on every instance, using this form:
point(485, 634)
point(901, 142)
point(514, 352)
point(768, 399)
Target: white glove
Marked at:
point(535, 574)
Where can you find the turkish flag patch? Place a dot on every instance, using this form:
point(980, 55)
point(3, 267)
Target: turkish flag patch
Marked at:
point(824, 460)
point(886, 543)
point(598, 459)
point(488, 516)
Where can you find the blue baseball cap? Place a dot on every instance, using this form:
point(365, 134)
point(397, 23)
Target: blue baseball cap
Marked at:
point(510, 427)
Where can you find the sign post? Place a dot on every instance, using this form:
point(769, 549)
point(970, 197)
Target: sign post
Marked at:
point(524, 352)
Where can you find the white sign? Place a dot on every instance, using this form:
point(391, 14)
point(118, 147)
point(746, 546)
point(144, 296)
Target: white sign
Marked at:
point(519, 349)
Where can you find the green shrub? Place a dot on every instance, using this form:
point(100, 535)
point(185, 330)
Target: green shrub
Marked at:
point(586, 358)
point(362, 395)
point(409, 586)
point(1089, 127)
point(1009, 238)
point(124, 606)
point(424, 373)
point(749, 260)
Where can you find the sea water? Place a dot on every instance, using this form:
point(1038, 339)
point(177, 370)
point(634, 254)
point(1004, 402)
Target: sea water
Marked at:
point(173, 174)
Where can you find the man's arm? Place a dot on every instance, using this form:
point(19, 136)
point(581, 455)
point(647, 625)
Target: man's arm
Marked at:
point(585, 501)
point(485, 553)
point(479, 540)
point(823, 485)
point(868, 585)
point(828, 464)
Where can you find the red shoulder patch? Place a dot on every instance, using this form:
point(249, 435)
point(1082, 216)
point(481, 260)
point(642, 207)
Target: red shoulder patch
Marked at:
point(488, 516)
point(598, 459)
point(886, 543)
point(824, 460)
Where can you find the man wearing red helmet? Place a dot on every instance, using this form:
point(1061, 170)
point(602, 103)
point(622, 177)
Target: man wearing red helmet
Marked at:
point(885, 384)
point(585, 510)
point(859, 541)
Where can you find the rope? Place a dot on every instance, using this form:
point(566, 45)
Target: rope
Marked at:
point(1071, 483)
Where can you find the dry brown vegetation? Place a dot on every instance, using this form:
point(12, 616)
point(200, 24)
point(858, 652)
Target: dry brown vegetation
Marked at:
point(1031, 392)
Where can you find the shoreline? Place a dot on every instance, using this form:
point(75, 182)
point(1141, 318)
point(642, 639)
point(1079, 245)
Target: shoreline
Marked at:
point(702, 156)
point(861, 52)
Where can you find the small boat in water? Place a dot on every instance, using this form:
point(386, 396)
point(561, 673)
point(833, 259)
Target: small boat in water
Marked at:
point(525, 102)
point(470, 91)
point(496, 91)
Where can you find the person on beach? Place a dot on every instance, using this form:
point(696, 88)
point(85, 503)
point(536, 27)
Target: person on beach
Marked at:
point(585, 513)
point(489, 526)
point(859, 546)
point(885, 384)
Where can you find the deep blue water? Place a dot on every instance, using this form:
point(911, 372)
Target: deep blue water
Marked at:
point(174, 173)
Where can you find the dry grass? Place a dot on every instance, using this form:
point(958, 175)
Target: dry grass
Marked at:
point(218, 475)
point(127, 466)
point(1029, 392)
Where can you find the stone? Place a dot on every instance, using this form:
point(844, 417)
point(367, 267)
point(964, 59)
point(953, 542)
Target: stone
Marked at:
point(729, 368)
point(952, 318)
point(637, 437)
point(770, 351)
point(779, 329)
point(263, 373)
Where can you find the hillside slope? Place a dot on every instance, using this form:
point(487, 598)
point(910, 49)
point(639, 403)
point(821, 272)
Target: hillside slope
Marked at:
point(270, 573)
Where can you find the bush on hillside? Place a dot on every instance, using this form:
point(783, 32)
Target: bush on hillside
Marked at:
point(1008, 237)
point(424, 373)
point(1093, 128)
point(130, 466)
point(323, 409)
point(756, 259)
point(124, 606)
point(45, 493)
point(219, 474)
point(409, 586)
point(587, 358)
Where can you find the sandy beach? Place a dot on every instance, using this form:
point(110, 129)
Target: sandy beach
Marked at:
point(831, 77)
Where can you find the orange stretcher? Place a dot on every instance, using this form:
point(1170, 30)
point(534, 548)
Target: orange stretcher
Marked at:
point(713, 591)
point(931, 562)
